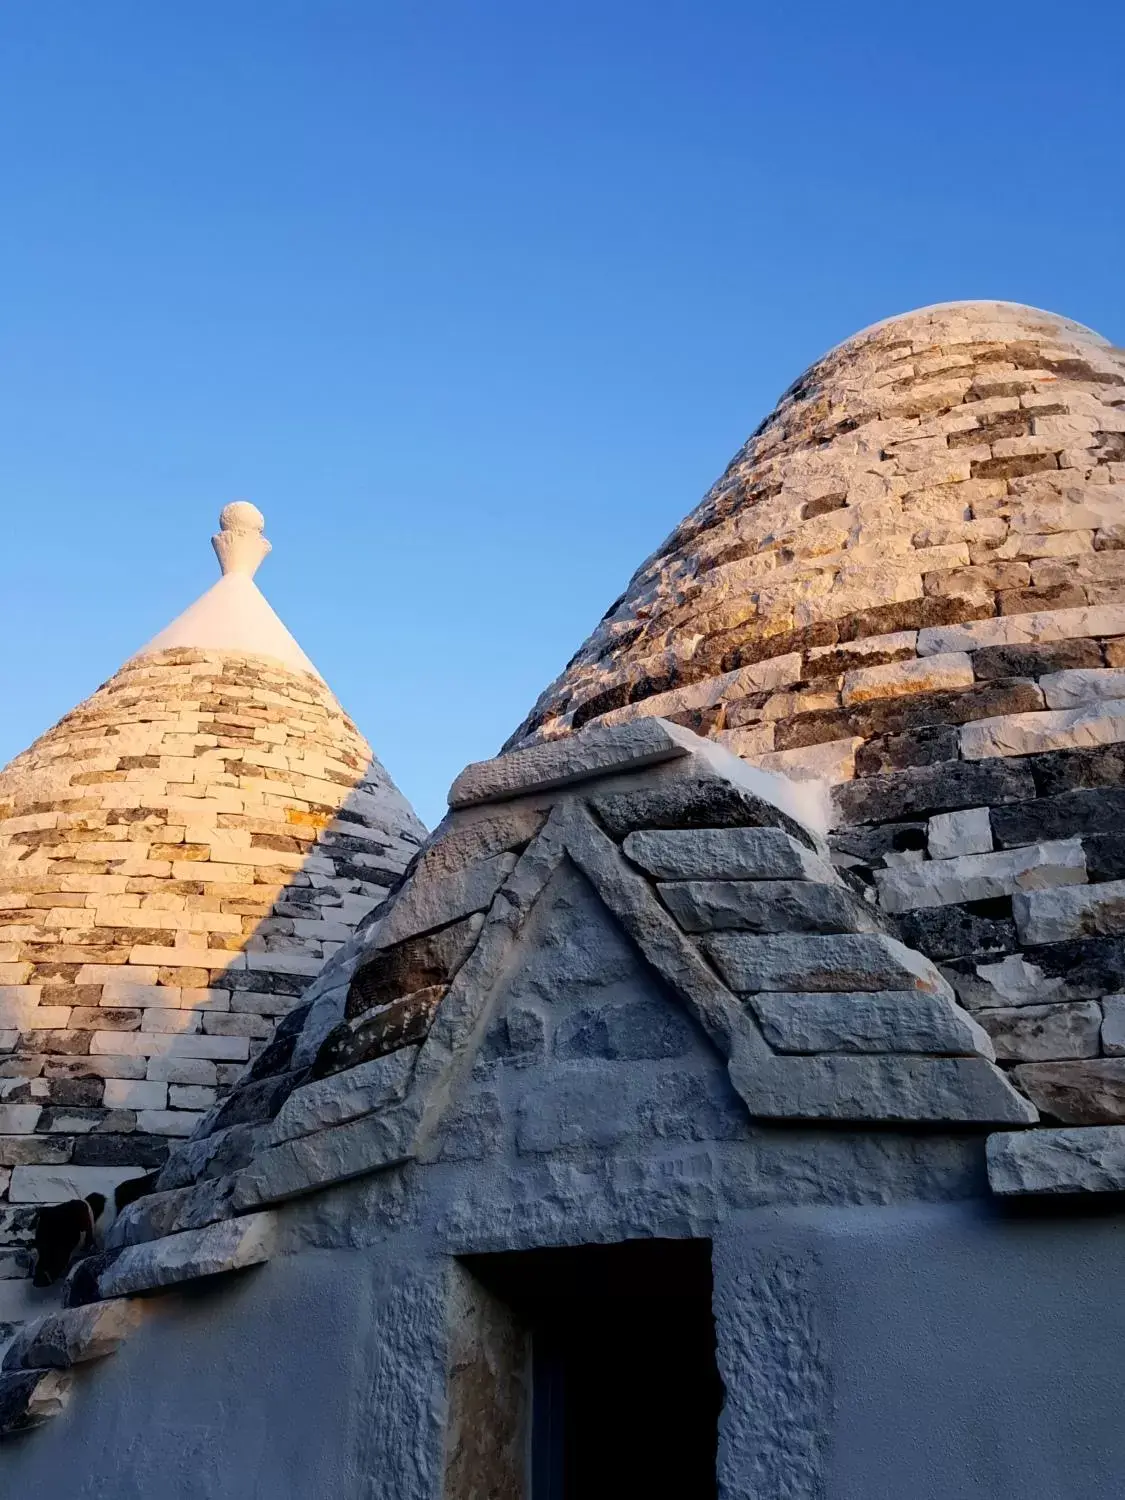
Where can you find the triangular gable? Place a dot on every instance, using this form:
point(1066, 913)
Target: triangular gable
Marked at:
point(817, 1013)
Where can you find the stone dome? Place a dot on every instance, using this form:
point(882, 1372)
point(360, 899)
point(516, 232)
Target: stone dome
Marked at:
point(910, 582)
point(178, 856)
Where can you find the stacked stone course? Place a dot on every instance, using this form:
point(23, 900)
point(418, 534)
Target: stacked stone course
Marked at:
point(178, 857)
point(911, 582)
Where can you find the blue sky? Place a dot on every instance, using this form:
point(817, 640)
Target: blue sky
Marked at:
point(474, 298)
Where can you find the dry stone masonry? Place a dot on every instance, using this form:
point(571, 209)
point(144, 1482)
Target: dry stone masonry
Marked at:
point(178, 857)
point(769, 962)
point(910, 581)
point(650, 979)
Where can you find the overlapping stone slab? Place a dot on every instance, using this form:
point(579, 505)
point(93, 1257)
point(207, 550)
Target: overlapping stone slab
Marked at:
point(230, 1245)
point(73, 1336)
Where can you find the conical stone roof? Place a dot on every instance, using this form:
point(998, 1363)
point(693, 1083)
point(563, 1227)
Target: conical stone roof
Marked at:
point(178, 856)
point(910, 582)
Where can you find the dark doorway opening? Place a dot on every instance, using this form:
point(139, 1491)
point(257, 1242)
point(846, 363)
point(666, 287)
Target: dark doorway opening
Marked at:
point(625, 1392)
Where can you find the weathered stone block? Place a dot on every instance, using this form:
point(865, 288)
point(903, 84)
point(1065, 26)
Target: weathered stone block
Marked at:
point(1057, 916)
point(978, 877)
point(1033, 733)
point(843, 1086)
point(560, 763)
point(846, 962)
point(726, 854)
point(424, 904)
point(1090, 1160)
point(1035, 659)
point(966, 832)
point(385, 974)
point(29, 1397)
point(73, 1336)
point(935, 673)
point(942, 932)
point(933, 789)
point(879, 1021)
point(1090, 1092)
point(1071, 689)
point(767, 906)
point(342, 1096)
point(1095, 810)
point(690, 802)
point(1044, 1033)
point(226, 1246)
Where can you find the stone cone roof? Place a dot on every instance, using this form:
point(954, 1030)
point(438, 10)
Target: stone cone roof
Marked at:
point(910, 583)
point(178, 857)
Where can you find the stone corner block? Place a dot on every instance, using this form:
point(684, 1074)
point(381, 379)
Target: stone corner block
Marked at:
point(1087, 1159)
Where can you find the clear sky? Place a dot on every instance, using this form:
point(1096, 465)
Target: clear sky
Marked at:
point(474, 298)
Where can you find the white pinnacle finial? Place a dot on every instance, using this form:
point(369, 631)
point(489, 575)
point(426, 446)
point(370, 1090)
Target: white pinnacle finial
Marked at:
point(239, 544)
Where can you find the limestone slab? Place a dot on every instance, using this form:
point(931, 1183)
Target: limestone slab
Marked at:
point(427, 902)
point(560, 763)
point(342, 1097)
point(882, 1089)
point(942, 672)
point(979, 877)
point(1044, 1033)
point(767, 906)
point(1085, 1160)
point(879, 1021)
point(73, 1336)
point(795, 962)
point(966, 832)
point(726, 854)
point(1032, 628)
point(1052, 729)
point(1058, 915)
point(1071, 689)
point(1089, 1092)
point(187, 1256)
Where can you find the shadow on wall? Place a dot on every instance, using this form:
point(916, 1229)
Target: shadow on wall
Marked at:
point(178, 857)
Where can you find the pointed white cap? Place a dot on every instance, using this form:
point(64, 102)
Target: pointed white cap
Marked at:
point(234, 615)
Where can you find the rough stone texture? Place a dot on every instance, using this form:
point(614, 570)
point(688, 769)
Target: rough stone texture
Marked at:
point(967, 832)
point(228, 1246)
point(342, 1097)
point(1074, 912)
point(1089, 1092)
point(73, 1336)
point(30, 1397)
point(892, 1021)
point(543, 768)
point(725, 854)
point(1090, 1160)
point(1029, 1033)
point(178, 856)
point(922, 542)
point(767, 906)
point(798, 962)
point(978, 877)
